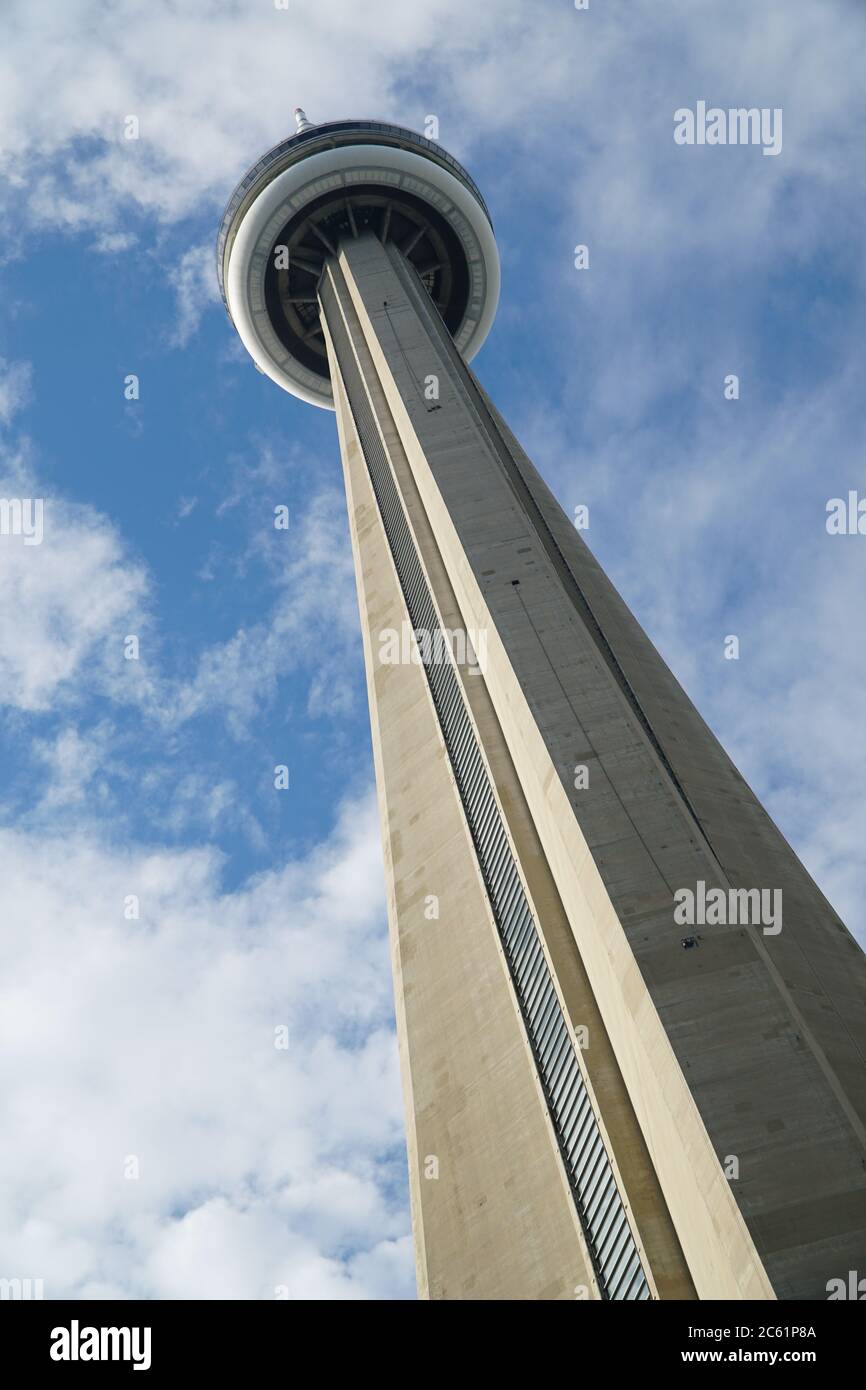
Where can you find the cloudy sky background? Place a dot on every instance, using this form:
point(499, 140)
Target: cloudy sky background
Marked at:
point(262, 1167)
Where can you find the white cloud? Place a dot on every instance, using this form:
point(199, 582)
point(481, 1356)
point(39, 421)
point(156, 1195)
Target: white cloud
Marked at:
point(312, 624)
point(111, 243)
point(15, 388)
point(154, 1038)
point(210, 86)
point(71, 601)
point(70, 592)
point(195, 284)
point(71, 762)
point(68, 602)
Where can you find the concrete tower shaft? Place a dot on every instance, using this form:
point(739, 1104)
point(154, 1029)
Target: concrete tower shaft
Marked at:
point(599, 1101)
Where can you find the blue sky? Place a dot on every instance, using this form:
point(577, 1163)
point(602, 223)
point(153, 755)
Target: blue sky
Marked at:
point(260, 1168)
point(189, 475)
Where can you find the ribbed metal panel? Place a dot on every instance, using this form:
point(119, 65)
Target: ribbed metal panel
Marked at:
point(599, 1204)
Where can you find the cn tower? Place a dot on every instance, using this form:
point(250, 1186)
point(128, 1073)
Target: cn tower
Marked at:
point(632, 1030)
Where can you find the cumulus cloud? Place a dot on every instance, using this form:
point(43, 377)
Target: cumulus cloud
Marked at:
point(71, 761)
point(15, 387)
point(165, 1146)
point(68, 601)
point(147, 1046)
point(312, 623)
point(112, 243)
point(208, 85)
point(72, 600)
point(195, 283)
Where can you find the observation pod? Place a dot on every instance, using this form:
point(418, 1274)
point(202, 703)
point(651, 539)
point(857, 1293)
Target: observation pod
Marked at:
point(337, 180)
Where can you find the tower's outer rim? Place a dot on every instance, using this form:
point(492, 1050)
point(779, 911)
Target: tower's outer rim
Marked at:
point(286, 194)
point(330, 135)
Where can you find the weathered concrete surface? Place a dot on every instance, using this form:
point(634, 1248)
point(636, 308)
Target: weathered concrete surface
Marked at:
point(493, 1217)
point(750, 1046)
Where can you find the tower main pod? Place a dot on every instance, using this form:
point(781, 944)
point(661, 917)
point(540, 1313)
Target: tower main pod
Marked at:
point(597, 1105)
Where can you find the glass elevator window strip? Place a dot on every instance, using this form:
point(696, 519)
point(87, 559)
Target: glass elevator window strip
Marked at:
point(598, 1201)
